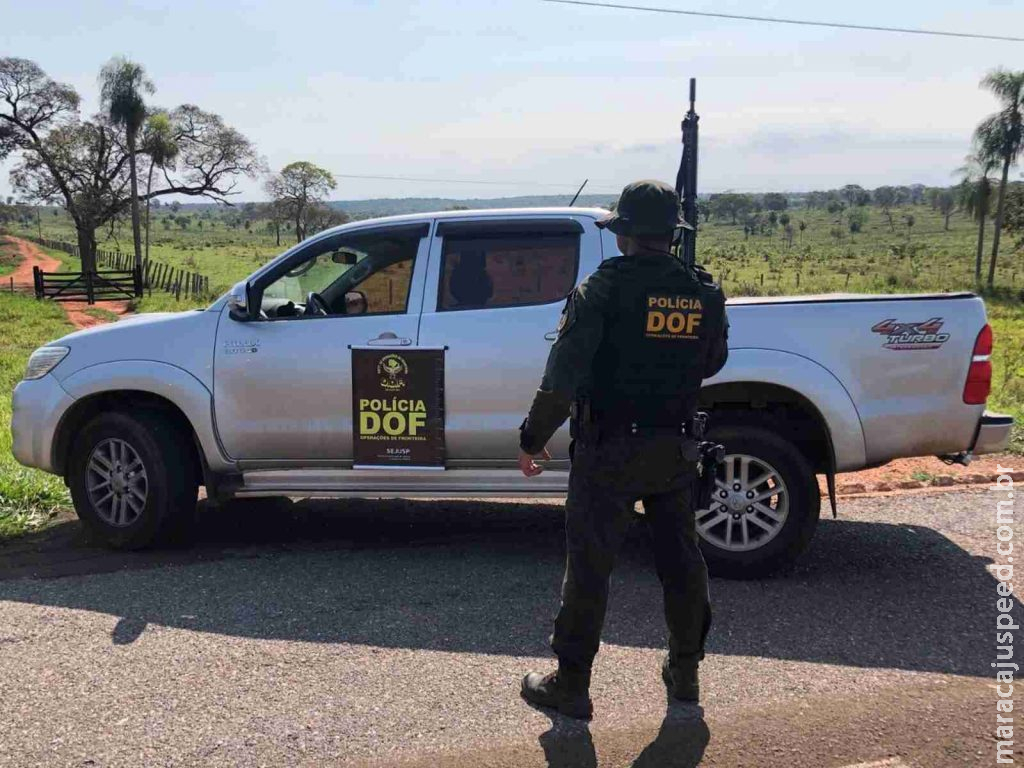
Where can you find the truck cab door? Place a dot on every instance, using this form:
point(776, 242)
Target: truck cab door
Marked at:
point(494, 294)
point(282, 383)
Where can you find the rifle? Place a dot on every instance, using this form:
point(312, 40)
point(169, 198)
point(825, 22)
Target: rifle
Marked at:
point(686, 181)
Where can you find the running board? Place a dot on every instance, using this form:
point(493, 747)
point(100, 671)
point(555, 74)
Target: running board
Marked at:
point(390, 482)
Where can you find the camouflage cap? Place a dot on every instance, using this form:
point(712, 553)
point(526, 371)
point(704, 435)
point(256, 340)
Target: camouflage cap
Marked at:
point(645, 208)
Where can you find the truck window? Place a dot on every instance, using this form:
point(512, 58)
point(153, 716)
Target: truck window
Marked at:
point(351, 273)
point(484, 272)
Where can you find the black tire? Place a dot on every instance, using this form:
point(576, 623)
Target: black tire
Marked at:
point(762, 440)
point(167, 456)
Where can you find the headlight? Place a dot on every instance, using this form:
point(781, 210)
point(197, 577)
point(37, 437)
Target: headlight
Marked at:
point(43, 361)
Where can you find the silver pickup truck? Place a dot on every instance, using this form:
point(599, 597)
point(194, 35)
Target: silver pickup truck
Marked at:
point(253, 395)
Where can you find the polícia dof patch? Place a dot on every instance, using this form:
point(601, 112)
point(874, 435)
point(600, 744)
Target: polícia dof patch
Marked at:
point(673, 317)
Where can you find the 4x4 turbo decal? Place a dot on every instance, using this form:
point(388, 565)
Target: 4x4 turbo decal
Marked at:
point(923, 335)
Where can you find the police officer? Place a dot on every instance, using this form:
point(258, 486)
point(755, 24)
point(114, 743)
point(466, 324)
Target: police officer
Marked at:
point(634, 342)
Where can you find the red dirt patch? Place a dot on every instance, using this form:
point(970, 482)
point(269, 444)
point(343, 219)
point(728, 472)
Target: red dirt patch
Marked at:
point(926, 472)
point(30, 256)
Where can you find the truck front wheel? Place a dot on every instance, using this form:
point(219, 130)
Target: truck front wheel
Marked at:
point(765, 506)
point(132, 477)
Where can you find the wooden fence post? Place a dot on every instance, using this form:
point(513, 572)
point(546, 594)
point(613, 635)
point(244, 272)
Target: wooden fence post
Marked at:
point(37, 280)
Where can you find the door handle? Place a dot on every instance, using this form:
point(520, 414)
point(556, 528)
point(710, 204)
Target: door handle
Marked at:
point(551, 335)
point(389, 339)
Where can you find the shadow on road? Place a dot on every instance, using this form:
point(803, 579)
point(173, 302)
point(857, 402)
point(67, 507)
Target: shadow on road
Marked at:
point(680, 742)
point(484, 577)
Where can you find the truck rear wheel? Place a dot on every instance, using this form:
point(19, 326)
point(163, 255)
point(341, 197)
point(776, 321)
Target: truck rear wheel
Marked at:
point(765, 506)
point(132, 478)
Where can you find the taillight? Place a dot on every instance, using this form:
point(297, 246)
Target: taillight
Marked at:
point(979, 375)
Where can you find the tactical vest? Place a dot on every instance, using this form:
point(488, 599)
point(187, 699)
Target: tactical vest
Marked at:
point(660, 321)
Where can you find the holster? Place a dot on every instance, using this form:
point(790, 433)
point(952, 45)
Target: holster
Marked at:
point(711, 455)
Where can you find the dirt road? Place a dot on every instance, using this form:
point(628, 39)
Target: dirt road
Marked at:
point(31, 256)
point(374, 633)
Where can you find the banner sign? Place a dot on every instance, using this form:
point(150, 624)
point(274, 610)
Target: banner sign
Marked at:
point(398, 408)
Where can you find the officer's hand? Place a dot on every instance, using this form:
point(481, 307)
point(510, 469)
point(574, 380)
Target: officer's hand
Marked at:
point(528, 466)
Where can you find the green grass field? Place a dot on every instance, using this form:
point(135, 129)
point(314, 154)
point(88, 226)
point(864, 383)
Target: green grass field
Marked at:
point(28, 498)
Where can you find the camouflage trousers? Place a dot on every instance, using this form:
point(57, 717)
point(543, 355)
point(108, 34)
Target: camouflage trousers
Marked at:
point(606, 480)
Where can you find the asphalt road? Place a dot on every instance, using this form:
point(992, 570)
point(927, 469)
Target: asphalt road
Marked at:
point(384, 633)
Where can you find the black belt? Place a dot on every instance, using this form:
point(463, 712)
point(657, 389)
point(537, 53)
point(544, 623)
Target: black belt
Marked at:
point(694, 428)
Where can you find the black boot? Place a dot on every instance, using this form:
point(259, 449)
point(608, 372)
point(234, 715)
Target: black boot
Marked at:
point(681, 680)
point(564, 690)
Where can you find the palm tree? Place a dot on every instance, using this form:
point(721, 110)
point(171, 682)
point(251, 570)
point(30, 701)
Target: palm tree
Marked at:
point(974, 196)
point(1001, 136)
point(157, 142)
point(122, 85)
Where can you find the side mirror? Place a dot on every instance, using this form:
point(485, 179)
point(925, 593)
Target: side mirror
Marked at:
point(238, 302)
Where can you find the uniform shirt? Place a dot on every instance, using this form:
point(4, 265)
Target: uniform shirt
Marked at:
point(569, 369)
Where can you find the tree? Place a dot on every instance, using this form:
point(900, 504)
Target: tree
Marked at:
point(33, 106)
point(122, 85)
point(296, 188)
point(886, 198)
point(1001, 135)
point(1014, 213)
point(159, 145)
point(84, 164)
point(854, 194)
point(320, 217)
point(974, 196)
point(856, 219)
point(945, 202)
point(803, 226)
point(774, 201)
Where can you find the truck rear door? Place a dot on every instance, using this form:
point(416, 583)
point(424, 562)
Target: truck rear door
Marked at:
point(495, 290)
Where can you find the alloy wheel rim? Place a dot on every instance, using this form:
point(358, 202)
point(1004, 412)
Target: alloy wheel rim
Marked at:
point(116, 482)
point(749, 505)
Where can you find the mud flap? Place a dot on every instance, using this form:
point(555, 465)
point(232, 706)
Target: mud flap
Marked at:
point(830, 479)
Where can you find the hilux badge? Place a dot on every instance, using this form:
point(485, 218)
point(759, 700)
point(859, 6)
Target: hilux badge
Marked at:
point(241, 346)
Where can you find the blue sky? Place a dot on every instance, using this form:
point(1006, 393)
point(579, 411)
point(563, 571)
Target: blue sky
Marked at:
point(536, 97)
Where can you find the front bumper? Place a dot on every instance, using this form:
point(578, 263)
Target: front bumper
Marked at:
point(993, 433)
point(38, 407)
